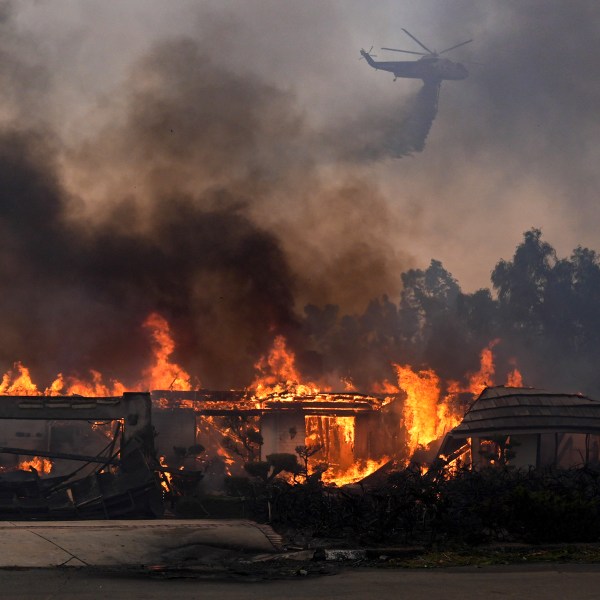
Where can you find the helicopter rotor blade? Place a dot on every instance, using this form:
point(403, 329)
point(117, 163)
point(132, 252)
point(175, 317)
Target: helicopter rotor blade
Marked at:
point(456, 46)
point(407, 51)
point(408, 33)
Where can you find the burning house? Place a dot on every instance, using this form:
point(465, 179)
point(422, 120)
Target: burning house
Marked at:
point(527, 428)
point(204, 436)
point(352, 433)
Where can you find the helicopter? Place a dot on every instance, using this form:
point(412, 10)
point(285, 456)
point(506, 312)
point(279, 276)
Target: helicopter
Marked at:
point(430, 67)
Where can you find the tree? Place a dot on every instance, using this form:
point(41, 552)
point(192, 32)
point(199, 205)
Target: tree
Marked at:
point(426, 296)
point(305, 453)
point(244, 438)
point(521, 283)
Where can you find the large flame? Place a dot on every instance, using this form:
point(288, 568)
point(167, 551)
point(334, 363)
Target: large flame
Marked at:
point(430, 408)
point(425, 418)
point(428, 415)
point(162, 373)
point(277, 374)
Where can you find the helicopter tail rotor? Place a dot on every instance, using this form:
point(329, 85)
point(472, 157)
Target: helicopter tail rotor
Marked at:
point(364, 53)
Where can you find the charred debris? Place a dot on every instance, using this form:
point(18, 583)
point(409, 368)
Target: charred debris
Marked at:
point(118, 481)
point(523, 465)
point(137, 453)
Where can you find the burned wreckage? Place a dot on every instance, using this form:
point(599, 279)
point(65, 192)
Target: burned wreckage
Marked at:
point(142, 447)
point(122, 481)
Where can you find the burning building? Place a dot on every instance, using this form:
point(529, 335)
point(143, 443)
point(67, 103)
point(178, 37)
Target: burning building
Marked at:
point(352, 433)
point(343, 436)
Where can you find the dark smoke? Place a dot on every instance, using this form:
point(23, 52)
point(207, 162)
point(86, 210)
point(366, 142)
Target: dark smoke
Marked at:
point(76, 299)
point(164, 214)
point(208, 195)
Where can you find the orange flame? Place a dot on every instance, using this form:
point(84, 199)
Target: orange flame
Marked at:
point(485, 376)
point(18, 382)
point(514, 379)
point(95, 386)
point(163, 374)
point(41, 465)
point(426, 415)
point(355, 473)
point(278, 374)
point(425, 418)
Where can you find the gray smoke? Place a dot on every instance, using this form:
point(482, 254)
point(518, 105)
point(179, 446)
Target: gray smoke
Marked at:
point(207, 161)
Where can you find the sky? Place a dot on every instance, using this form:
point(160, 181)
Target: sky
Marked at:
point(512, 147)
point(146, 117)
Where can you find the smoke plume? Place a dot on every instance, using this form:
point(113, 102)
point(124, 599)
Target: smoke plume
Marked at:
point(209, 163)
point(174, 204)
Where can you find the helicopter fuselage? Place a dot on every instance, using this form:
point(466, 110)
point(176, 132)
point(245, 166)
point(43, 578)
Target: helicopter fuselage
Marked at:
point(427, 68)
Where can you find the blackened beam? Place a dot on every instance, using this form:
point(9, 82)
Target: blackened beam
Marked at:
point(61, 455)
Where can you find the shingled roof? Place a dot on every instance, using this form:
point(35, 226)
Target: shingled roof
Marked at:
point(527, 410)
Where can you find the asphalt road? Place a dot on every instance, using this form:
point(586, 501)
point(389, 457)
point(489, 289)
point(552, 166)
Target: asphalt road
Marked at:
point(531, 582)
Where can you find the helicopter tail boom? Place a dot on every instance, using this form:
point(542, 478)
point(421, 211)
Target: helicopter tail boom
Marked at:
point(367, 56)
